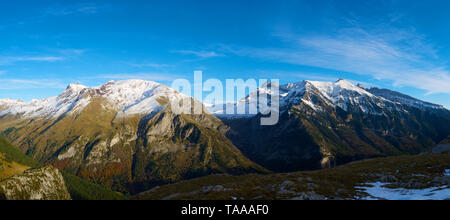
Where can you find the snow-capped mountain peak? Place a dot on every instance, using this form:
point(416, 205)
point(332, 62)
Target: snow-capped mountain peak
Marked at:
point(76, 87)
point(319, 95)
point(127, 97)
point(341, 93)
point(136, 96)
point(334, 89)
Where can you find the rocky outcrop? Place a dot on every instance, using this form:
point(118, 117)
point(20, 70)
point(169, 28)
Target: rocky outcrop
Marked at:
point(45, 183)
point(443, 147)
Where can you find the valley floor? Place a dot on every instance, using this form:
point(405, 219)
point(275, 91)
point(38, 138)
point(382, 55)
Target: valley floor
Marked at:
point(405, 177)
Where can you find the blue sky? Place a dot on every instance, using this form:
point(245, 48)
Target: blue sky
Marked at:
point(400, 45)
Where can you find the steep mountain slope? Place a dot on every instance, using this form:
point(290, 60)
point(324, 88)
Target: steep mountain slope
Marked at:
point(324, 123)
point(122, 134)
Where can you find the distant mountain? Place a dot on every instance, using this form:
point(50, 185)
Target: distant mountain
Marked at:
point(122, 134)
point(327, 123)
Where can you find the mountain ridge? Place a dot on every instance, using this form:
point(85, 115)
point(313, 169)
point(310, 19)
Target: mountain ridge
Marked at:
point(323, 124)
point(127, 96)
point(124, 135)
point(339, 93)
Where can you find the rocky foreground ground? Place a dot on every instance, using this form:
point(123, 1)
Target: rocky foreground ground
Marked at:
point(45, 183)
point(403, 177)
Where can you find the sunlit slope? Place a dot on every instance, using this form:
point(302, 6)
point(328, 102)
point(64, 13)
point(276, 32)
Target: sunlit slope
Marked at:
point(128, 151)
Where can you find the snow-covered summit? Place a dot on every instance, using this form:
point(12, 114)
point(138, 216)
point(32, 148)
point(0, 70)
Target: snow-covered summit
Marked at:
point(130, 97)
point(318, 95)
point(336, 89)
point(10, 102)
point(76, 87)
point(127, 97)
point(346, 95)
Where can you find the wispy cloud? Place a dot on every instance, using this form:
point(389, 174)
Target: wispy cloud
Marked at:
point(59, 55)
point(2, 72)
point(41, 15)
point(160, 77)
point(13, 59)
point(312, 76)
point(61, 83)
point(86, 9)
point(72, 52)
point(201, 54)
point(152, 65)
point(10, 84)
point(399, 55)
point(44, 59)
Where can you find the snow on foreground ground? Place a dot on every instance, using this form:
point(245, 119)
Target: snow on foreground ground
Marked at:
point(379, 191)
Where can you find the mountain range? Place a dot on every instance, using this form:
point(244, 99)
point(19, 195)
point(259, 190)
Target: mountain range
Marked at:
point(124, 134)
point(324, 124)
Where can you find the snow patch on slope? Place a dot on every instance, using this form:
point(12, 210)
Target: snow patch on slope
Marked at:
point(378, 191)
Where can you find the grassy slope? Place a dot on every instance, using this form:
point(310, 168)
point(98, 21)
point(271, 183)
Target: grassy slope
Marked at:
point(79, 189)
point(13, 154)
point(336, 183)
point(9, 169)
